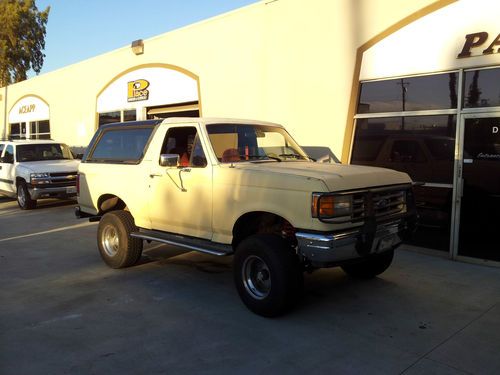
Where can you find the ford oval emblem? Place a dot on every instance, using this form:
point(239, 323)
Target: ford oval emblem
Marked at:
point(383, 203)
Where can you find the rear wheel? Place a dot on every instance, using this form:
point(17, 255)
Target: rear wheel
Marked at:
point(24, 198)
point(371, 267)
point(267, 274)
point(117, 248)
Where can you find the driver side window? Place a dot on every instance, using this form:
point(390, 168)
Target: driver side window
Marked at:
point(184, 141)
point(8, 157)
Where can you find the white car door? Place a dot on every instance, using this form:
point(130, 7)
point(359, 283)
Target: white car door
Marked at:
point(7, 169)
point(181, 197)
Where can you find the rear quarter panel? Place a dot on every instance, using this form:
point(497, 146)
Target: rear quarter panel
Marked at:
point(127, 182)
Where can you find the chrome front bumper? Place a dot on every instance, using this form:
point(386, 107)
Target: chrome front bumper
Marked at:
point(37, 193)
point(329, 249)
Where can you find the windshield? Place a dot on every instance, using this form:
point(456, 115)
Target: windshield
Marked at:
point(40, 151)
point(237, 143)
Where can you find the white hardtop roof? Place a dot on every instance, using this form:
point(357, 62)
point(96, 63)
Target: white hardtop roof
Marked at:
point(29, 141)
point(217, 120)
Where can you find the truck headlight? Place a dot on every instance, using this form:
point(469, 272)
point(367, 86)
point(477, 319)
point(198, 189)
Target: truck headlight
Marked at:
point(40, 178)
point(328, 206)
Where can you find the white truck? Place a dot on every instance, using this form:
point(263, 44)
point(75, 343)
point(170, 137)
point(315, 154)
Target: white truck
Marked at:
point(242, 188)
point(35, 169)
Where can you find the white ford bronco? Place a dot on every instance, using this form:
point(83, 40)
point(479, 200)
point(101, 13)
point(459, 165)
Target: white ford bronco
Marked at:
point(242, 188)
point(35, 169)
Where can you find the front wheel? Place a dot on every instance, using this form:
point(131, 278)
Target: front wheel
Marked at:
point(24, 198)
point(371, 267)
point(267, 274)
point(117, 248)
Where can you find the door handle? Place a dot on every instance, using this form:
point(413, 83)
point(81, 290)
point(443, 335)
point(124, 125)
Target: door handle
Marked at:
point(152, 175)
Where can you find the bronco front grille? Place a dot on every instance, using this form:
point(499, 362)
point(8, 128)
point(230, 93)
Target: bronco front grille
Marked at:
point(378, 203)
point(389, 203)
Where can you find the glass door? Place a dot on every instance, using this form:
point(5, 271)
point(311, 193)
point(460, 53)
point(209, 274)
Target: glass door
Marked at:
point(479, 205)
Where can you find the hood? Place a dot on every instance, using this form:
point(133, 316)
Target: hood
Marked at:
point(336, 177)
point(51, 166)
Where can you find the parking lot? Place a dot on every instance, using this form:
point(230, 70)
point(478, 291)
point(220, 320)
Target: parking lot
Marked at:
point(62, 311)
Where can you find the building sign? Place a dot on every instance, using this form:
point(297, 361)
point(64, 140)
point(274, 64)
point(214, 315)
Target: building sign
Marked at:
point(147, 87)
point(137, 90)
point(27, 109)
point(30, 108)
point(470, 39)
point(479, 40)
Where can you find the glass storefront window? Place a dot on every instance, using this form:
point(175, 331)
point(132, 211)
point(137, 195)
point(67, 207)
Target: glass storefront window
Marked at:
point(18, 130)
point(40, 130)
point(109, 117)
point(15, 130)
point(423, 147)
point(129, 115)
point(117, 116)
point(431, 92)
point(481, 88)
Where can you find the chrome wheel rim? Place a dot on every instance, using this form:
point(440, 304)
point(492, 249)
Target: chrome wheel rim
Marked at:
point(21, 196)
point(110, 241)
point(256, 277)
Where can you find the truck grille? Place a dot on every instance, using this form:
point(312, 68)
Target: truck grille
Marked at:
point(62, 179)
point(378, 203)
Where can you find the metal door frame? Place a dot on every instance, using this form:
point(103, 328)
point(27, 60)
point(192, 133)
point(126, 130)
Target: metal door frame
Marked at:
point(458, 181)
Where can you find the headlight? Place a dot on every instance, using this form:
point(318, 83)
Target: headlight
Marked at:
point(39, 178)
point(328, 206)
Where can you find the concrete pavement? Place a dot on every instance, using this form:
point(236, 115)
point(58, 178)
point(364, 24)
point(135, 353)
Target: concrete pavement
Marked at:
point(62, 311)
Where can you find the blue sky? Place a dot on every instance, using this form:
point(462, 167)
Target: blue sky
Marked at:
point(81, 29)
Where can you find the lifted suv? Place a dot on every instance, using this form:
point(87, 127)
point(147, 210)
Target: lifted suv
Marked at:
point(226, 186)
point(30, 170)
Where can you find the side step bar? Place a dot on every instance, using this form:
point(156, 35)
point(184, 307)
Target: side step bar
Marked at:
point(196, 244)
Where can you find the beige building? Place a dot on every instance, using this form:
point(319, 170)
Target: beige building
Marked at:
point(411, 85)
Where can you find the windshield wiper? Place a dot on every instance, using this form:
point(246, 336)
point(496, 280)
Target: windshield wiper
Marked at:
point(263, 158)
point(297, 156)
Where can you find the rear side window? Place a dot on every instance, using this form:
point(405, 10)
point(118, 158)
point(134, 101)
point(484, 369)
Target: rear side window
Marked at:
point(121, 145)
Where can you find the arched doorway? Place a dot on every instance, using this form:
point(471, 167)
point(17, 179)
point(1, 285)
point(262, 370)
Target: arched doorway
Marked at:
point(29, 118)
point(147, 92)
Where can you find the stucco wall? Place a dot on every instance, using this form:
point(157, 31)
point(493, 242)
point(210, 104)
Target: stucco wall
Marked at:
point(287, 61)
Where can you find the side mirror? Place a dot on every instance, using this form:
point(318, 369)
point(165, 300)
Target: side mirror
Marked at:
point(169, 160)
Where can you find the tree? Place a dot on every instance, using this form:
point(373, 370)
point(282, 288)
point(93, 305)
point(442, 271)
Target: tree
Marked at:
point(22, 39)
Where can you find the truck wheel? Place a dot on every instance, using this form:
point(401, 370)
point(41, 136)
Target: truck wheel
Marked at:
point(23, 197)
point(117, 248)
point(370, 268)
point(267, 274)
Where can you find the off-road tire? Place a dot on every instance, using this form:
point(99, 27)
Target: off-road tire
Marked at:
point(371, 267)
point(117, 248)
point(270, 258)
point(24, 198)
